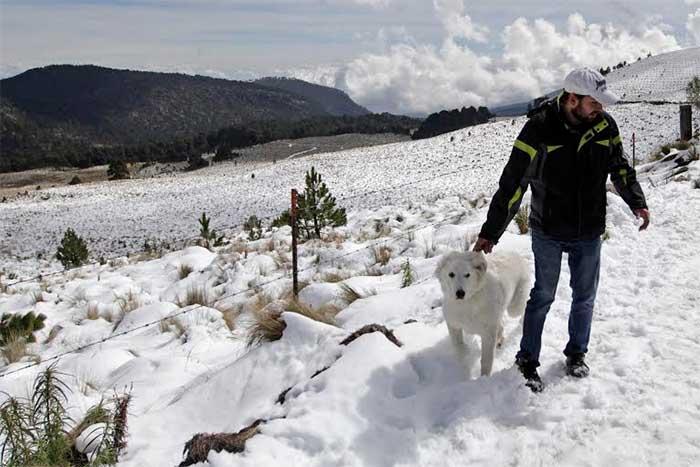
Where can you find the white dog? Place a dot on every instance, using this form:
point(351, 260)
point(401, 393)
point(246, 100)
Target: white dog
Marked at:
point(476, 293)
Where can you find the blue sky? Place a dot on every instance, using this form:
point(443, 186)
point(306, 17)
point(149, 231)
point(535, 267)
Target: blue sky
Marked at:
point(369, 48)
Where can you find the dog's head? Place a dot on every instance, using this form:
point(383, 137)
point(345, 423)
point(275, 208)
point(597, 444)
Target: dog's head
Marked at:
point(461, 274)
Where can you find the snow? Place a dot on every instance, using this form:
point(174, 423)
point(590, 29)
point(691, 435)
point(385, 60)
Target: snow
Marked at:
point(662, 77)
point(374, 404)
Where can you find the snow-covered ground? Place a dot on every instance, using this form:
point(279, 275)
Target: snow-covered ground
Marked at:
point(377, 404)
point(117, 217)
point(660, 78)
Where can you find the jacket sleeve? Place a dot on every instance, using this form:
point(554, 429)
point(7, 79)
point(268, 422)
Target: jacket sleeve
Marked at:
point(623, 176)
point(512, 185)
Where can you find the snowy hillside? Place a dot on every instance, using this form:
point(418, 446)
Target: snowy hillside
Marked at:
point(117, 217)
point(371, 402)
point(660, 78)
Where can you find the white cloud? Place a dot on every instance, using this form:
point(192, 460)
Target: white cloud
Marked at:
point(456, 23)
point(412, 78)
point(693, 25)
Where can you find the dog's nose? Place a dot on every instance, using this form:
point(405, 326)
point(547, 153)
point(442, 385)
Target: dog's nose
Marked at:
point(460, 294)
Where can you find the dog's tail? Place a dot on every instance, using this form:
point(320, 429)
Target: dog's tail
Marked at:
point(516, 307)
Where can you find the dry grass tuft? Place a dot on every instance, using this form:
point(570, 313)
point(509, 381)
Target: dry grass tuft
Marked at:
point(521, 219)
point(267, 327)
point(382, 254)
point(333, 277)
point(37, 296)
point(184, 270)
point(93, 312)
point(15, 349)
point(350, 294)
point(195, 296)
point(172, 325)
point(324, 314)
point(53, 333)
point(128, 302)
point(230, 313)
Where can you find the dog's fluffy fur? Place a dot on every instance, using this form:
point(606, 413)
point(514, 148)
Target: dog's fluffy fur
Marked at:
point(476, 293)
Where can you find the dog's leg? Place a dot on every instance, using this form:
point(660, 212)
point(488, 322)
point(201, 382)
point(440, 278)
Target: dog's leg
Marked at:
point(457, 339)
point(488, 347)
point(500, 338)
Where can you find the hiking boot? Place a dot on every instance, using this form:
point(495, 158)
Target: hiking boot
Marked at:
point(529, 371)
point(576, 366)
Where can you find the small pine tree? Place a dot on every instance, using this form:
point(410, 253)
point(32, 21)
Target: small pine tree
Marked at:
point(209, 238)
point(283, 219)
point(73, 251)
point(407, 274)
point(253, 226)
point(317, 208)
point(118, 170)
point(693, 91)
point(13, 326)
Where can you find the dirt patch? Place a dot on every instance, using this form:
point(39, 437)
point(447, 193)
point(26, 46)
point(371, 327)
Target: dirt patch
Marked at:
point(15, 184)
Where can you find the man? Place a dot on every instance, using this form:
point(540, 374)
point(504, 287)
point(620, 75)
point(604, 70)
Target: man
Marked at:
point(564, 152)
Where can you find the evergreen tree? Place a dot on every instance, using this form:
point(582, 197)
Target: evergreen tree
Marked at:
point(73, 251)
point(317, 208)
point(253, 226)
point(209, 238)
point(118, 170)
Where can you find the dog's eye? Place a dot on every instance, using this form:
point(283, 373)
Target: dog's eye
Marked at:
point(466, 275)
point(452, 274)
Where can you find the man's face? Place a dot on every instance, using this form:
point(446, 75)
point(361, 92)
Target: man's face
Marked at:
point(587, 109)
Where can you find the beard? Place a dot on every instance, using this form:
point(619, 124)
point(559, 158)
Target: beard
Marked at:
point(582, 116)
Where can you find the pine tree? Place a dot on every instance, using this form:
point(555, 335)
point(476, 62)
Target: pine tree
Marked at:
point(253, 226)
point(118, 170)
point(317, 208)
point(209, 238)
point(73, 251)
point(407, 274)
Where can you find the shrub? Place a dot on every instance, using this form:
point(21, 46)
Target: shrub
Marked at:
point(14, 326)
point(35, 431)
point(406, 274)
point(521, 219)
point(75, 180)
point(317, 208)
point(73, 251)
point(283, 219)
point(382, 254)
point(209, 237)
point(184, 270)
point(253, 226)
point(118, 170)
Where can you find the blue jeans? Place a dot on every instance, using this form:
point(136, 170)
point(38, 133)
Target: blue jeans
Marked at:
point(584, 265)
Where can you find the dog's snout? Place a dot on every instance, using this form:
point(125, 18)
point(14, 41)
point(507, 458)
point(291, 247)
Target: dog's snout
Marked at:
point(460, 294)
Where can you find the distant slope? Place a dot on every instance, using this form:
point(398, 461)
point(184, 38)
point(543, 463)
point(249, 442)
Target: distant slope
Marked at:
point(334, 101)
point(123, 106)
point(659, 78)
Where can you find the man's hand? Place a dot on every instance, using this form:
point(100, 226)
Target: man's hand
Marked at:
point(644, 214)
point(483, 245)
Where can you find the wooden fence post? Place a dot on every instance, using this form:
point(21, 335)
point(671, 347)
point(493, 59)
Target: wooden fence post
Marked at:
point(634, 150)
point(686, 122)
point(295, 233)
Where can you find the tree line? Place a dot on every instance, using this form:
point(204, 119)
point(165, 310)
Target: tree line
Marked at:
point(26, 147)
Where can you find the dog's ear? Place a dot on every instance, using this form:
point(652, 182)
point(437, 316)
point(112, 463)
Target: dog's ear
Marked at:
point(440, 265)
point(479, 262)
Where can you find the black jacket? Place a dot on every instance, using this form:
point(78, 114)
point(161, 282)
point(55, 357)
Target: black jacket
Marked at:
point(567, 169)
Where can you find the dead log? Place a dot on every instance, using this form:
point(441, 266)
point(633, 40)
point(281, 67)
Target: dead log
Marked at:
point(197, 449)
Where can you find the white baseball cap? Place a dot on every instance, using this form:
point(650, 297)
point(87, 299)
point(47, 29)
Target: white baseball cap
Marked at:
point(588, 82)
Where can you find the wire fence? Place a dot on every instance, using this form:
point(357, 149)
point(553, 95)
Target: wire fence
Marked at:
point(406, 234)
